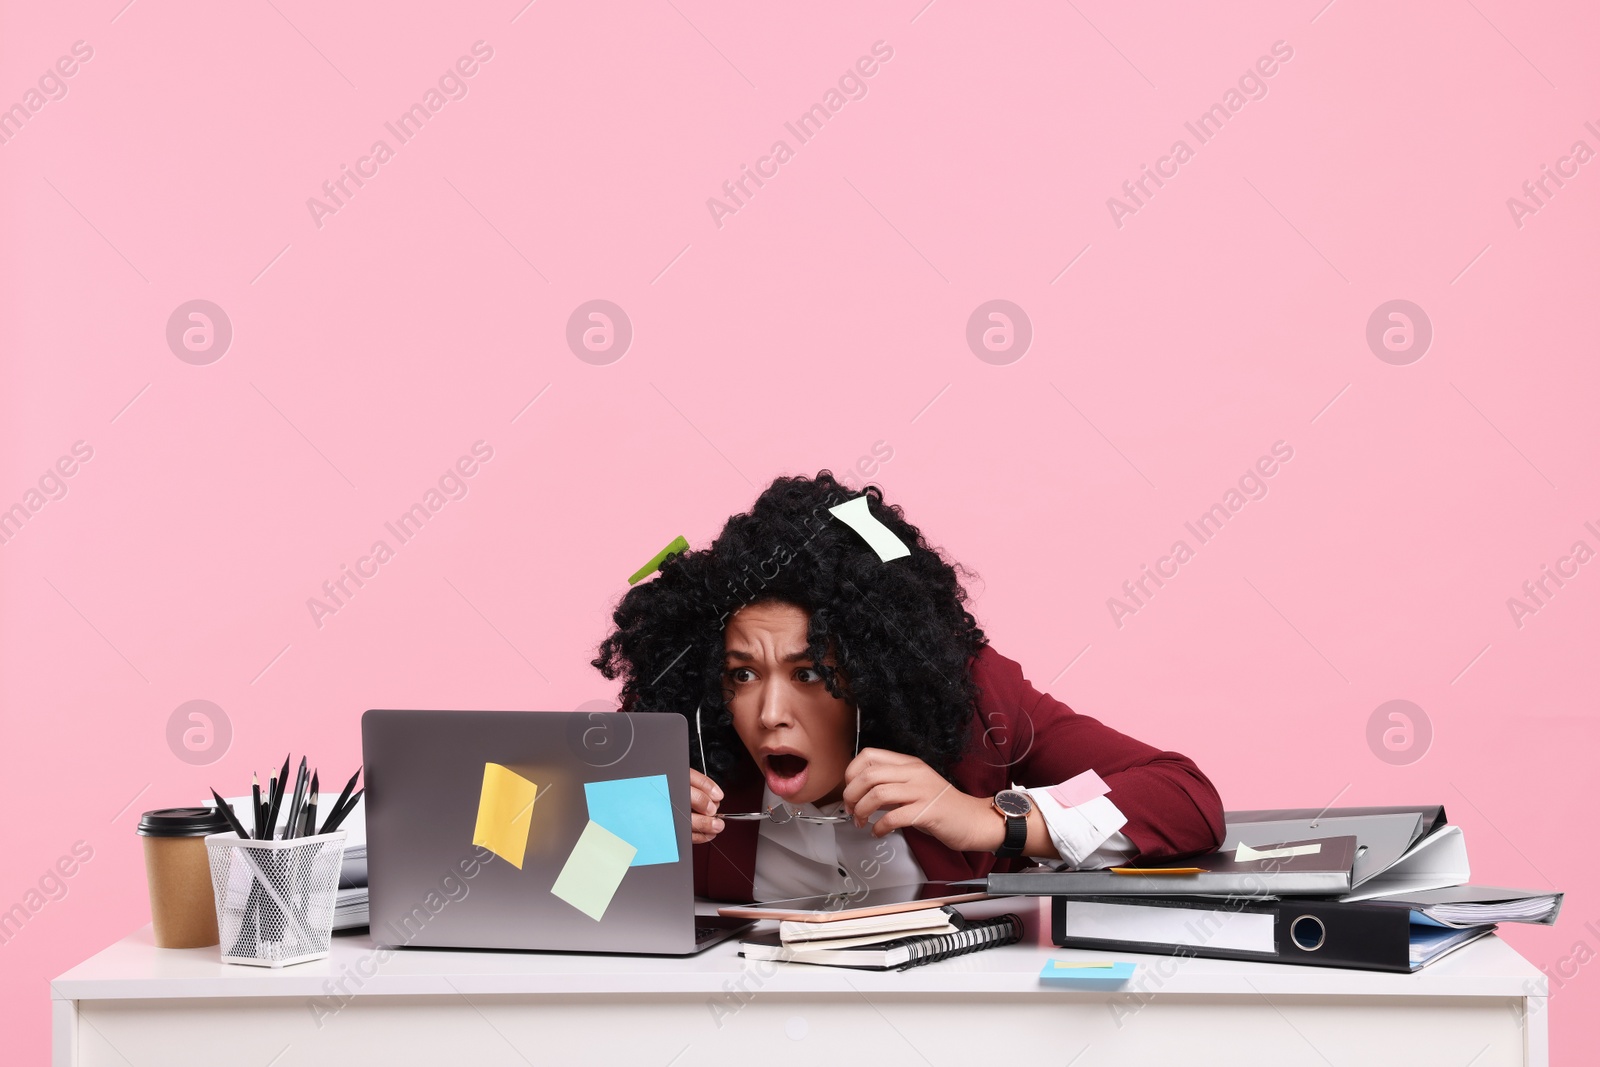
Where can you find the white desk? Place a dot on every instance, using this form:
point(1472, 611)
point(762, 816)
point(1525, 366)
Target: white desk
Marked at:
point(135, 1004)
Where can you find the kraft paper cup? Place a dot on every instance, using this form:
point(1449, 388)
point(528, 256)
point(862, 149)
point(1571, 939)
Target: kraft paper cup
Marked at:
point(182, 905)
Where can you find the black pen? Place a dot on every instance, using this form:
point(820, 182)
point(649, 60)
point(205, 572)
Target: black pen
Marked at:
point(227, 813)
point(344, 795)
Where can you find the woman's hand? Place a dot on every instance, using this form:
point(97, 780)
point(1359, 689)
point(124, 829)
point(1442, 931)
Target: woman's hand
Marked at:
point(704, 796)
point(911, 793)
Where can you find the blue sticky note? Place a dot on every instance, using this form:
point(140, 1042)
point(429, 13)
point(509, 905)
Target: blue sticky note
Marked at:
point(638, 811)
point(1068, 972)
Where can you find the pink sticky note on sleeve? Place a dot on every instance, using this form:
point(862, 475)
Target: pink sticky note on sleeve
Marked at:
point(1080, 789)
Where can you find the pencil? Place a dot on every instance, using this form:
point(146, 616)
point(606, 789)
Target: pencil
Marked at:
point(344, 795)
point(292, 827)
point(227, 813)
point(311, 809)
point(339, 816)
point(255, 801)
point(279, 784)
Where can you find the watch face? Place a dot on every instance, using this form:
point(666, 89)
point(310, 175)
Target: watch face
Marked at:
point(1014, 802)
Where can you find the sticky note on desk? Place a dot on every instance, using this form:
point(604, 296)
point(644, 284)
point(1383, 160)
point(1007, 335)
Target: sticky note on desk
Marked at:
point(878, 537)
point(594, 870)
point(505, 813)
point(1079, 789)
point(638, 811)
point(1092, 975)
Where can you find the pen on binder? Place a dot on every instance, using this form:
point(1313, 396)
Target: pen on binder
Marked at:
point(1158, 870)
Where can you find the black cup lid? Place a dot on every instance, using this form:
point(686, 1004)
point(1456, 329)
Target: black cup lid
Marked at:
point(182, 822)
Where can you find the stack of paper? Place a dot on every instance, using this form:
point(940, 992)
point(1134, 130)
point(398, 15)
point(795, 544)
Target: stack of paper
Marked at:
point(350, 910)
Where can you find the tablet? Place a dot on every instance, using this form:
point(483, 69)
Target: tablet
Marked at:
point(835, 906)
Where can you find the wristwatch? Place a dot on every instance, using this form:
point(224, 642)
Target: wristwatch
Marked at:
point(1014, 807)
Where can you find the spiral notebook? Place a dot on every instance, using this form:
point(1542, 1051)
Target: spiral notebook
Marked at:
point(899, 954)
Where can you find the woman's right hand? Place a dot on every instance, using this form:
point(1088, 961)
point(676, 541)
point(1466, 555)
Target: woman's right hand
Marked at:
point(704, 796)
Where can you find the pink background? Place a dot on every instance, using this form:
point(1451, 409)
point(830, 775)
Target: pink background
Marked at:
point(828, 314)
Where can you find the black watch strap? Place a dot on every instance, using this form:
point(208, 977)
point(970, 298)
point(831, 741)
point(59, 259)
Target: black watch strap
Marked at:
point(1016, 837)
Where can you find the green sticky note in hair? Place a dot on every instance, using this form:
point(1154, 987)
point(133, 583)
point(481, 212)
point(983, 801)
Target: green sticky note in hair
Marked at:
point(882, 540)
point(678, 545)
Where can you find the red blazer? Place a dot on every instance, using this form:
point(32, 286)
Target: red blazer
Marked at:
point(1020, 736)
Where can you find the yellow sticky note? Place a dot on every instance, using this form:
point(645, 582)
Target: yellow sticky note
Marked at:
point(505, 813)
point(590, 877)
point(1064, 965)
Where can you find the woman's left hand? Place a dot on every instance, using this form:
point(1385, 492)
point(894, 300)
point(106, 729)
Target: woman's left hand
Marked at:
point(911, 793)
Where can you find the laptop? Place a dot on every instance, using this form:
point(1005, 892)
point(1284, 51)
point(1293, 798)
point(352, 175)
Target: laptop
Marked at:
point(548, 831)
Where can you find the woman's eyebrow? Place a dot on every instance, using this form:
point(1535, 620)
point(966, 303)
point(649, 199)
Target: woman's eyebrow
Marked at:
point(801, 656)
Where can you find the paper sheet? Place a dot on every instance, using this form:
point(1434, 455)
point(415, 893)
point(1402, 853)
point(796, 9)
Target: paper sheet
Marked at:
point(1246, 854)
point(1080, 789)
point(505, 813)
point(593, 871)
point(638, 811)
point(877, 536)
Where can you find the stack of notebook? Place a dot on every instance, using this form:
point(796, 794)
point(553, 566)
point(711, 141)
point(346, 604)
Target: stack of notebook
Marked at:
point(1377, 888)
point(884, 942)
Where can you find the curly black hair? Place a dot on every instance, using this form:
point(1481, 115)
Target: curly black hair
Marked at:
point(899, 631)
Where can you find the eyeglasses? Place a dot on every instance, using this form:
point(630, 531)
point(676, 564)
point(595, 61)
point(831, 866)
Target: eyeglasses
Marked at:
point(780, 812)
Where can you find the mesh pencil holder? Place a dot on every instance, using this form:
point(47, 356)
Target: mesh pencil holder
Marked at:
point(275, 898)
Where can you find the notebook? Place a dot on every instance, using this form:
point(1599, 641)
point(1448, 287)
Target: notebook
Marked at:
point(899, 954)
point(900, 923)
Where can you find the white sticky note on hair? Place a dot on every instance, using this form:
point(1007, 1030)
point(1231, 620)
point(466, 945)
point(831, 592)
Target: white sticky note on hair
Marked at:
point(877, 536)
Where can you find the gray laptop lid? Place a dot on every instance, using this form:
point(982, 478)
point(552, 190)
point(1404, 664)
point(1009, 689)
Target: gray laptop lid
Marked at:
point(605, 864)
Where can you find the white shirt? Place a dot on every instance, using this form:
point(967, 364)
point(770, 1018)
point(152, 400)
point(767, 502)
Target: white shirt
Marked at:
point(798, 859)
point(802, 859)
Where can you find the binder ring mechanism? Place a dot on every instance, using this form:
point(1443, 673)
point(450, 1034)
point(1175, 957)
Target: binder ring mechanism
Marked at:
point(1308, 932)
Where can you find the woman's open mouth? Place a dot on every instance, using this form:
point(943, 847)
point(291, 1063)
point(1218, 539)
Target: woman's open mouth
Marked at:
point(786, 773)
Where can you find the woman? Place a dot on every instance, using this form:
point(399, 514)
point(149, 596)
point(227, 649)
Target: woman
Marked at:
point(858, 695)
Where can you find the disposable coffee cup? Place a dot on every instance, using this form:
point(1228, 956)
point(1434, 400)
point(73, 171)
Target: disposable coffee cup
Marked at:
point(182, 905)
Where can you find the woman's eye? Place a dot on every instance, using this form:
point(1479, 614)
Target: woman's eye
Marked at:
point(807, 674)
point(741, 674)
